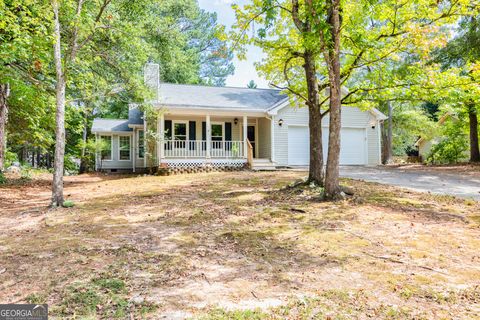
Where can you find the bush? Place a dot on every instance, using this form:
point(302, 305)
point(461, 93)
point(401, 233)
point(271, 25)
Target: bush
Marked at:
point(452, 147)
point(26, 173)
point(3, 179)
point(68, 204)
point(10, 158)
point(70, 165)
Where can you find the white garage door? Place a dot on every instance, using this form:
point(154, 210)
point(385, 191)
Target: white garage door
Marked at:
point(352, 149)
point(298, 146)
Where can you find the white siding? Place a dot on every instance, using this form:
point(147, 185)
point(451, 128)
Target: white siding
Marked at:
point(351, 117)
point(115, 163)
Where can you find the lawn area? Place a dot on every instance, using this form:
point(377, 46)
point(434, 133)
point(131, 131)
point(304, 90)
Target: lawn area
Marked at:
point(238, 245)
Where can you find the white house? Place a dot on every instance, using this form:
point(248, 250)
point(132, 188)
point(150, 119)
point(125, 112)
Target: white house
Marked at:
point(224, 126)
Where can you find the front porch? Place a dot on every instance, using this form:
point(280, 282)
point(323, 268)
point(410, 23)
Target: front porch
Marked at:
point(216, 140)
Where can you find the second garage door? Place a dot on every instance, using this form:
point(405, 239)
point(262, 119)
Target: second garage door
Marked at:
point(352, 150)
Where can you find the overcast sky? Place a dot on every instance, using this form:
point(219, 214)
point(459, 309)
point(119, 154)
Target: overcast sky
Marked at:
point(244, 70)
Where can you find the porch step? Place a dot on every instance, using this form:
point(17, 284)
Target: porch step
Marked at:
point(263, 165)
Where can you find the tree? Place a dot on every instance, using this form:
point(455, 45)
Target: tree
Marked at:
point(23, 52)
point(4, 93)
point(252, 85)
point(342, 42)
point(464, 52)
point(288, 37)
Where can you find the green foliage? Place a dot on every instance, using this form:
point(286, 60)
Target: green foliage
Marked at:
point(106, 73)
point(409, 123)
point(68, 204)
point(3, 179)
point(376, 36)
point(103, 297)
point(152, 136)
point(26, 172)
point(452, 146)
point(10, 158)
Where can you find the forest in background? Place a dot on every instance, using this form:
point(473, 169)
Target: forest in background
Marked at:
point(107, 73)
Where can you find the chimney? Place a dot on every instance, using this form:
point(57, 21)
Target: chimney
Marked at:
point(151, 76)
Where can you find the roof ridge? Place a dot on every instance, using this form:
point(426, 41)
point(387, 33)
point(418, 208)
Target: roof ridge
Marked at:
point(226, 87)
point(110, 119)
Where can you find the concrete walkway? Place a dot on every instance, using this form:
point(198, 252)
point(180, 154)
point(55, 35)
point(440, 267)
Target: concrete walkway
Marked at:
point(455, 184)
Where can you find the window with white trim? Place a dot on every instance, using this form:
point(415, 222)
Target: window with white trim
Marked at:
point(180, 131)
point(106, 149)
point(124, 147)
point(217, 135)
point(141, 144)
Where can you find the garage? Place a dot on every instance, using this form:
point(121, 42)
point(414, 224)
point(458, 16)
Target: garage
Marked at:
point(353, 149)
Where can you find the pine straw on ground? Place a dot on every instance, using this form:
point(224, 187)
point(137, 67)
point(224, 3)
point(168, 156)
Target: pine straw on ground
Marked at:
point(238, 245)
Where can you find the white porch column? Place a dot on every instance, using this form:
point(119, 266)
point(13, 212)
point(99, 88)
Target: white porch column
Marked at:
point(272, 138)
point(145, 143)
point(245, 135)
point(134, 154)
point(161, 132)
point(209, 134)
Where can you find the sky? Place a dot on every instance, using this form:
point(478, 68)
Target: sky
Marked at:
point(244, 70)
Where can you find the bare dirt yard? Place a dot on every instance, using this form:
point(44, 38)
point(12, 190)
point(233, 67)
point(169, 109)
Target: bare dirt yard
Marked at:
point(238, 245)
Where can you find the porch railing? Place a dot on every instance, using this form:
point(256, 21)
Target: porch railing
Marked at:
point(198, 149)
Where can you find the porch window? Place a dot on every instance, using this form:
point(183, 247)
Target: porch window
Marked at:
point(141, 144)
point(180, 131)
point(124, 147)
point(106, 150)
point(217, 135)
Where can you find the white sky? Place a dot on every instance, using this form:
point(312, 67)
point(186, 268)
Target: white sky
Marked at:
point(244, 70)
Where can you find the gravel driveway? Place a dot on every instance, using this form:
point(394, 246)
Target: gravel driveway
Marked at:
point(455, 184)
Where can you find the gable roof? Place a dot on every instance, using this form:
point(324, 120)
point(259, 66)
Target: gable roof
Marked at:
point(110, 125)
point(222, 98)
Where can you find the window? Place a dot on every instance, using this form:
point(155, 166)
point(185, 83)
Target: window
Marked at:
point(217, 135)
point(124, 147)
point(141, 144)
point(180, 131)
point(217, 132)
point(106, 148)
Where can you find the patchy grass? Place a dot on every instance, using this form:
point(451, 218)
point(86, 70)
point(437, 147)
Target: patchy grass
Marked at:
point(238, 245)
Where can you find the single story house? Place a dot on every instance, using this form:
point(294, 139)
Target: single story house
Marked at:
point(225, 126)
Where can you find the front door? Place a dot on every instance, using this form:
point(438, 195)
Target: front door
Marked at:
point(251, 137)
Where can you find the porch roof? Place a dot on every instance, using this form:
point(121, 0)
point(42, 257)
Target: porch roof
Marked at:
point(220, 98)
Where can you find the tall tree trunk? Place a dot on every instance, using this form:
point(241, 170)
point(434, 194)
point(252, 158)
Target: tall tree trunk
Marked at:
point(57, 184)
point(332, 176)
point(474, 150)
point(83, 160)
point(389, 147)
point(4, 91)
point(315, 174)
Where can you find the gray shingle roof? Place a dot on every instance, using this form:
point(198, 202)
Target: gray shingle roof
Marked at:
point(110, 125)
point(193, 96)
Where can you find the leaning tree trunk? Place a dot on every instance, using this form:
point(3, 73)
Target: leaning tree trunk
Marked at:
point(57, 184)
point(4, 90)
point(474, 149)
point(332, 176)
point(315, 174)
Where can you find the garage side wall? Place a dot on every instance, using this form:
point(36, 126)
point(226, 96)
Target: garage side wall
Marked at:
point(351, 117)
